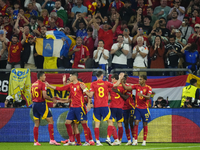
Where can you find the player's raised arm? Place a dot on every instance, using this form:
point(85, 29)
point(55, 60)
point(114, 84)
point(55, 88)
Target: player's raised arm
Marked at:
point(126, 87)
point(86, 91)
point(50, 86)
point(148, 96)
point(121, 75)
point(63, 88)
point(123, 96)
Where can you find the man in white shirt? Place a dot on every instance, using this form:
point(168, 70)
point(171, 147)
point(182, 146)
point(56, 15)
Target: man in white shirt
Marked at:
point(101, 55)
point(139, 55)
point(179, 9)
point(120, 51)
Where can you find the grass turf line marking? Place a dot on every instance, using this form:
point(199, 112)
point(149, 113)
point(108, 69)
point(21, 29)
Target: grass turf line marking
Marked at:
point(169, 147)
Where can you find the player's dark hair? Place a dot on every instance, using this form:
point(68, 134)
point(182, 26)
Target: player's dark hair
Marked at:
point(115, 76)
point(99, 73)
point(143, 76)
point(39, 74)
point(80, 80)
point(193, 81)
point(74, 74)
point(125, 76)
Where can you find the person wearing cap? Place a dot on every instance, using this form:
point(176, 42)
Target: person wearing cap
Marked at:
point(3, 52)
point(28, 56)
point(195, 37)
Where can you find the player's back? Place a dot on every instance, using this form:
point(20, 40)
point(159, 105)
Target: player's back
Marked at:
point(36, 91)
point(116, 100)
point(100, 89)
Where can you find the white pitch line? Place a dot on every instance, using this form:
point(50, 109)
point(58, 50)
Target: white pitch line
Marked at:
point(169, 147)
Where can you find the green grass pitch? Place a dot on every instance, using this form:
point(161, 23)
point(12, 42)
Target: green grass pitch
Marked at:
point(149, 146)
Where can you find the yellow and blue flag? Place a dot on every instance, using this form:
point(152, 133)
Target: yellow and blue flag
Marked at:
point(49, 47)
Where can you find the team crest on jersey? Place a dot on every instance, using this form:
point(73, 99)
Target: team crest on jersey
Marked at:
point(144, 90)
point(77, 87)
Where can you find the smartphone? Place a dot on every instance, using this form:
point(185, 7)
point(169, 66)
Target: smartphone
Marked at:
point(126, 30)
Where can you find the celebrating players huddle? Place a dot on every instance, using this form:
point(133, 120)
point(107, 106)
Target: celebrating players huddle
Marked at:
point(123, 108)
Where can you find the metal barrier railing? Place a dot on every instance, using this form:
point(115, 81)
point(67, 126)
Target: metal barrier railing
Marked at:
point(151, 70)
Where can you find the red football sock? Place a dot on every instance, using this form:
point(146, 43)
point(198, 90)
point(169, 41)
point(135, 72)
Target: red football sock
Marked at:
point(69, 131)
point(90, 134)
point(109, 131)
point(132, 131)
point(135, 134)
point(114, 133)
point(35, 133)
point(120, 133)
point(85, 128)
point(145, 133)
point(51, 132)
point(78, 138)
point(96, 133)
point(128, 134)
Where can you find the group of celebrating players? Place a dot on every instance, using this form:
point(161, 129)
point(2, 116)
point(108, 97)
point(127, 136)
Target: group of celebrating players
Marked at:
point(123, 107)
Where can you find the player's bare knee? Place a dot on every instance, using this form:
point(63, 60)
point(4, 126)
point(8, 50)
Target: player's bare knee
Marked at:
point(144, 124)
point(119, 124)
point(68, 122)
point(137, 122)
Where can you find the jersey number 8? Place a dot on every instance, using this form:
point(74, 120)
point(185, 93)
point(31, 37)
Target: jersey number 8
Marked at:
point(101, 91)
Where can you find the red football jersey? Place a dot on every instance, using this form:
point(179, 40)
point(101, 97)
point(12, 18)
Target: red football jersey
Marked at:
point(76, 93)
point(129, 103)
point(140, 101)
point(100, 89)
point(116, 100)
point(36, 91)
point(14, 52)
point(108, 35)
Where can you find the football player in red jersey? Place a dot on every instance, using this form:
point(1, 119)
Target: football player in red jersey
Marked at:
point(116, 106)
point(40, 108)
point(143, 94)
point(99, 89)
point(77, 110)
point(128, 110)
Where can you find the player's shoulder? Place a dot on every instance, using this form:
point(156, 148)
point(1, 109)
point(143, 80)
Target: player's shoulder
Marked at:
point(148, 86)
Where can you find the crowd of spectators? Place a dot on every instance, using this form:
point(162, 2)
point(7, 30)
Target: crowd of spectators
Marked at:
point(105, 34)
